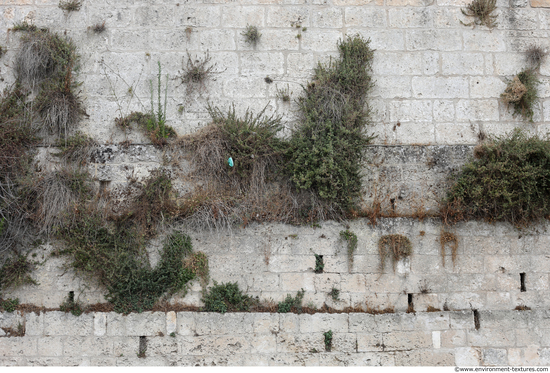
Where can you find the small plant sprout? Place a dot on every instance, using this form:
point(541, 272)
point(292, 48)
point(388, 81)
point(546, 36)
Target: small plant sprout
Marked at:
point(98, 28)
point(328, 340)
point(196, 72)
point(251, 35)
point(535, 55)
point(284, 94)
point(319, 264)
point(267, 79)
point(70, 5)
point(335, 294)
point(482, 11)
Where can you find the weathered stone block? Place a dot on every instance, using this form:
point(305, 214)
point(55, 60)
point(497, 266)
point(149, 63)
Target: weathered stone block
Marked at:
point(322, 322)
point(60, 323)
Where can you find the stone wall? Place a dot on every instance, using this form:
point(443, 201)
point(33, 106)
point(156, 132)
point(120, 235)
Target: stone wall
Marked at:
point(437, 81)
point(188, 338)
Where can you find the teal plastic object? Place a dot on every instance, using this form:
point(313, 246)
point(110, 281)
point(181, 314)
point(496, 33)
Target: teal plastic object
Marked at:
point(230, 162)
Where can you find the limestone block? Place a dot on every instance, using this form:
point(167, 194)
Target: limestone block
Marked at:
point(320, 322)
point(327, 18)
point(324, 282)
point(212, 323)
point(145, 324)
point(411, 18)
point(392, 87)
point(440, 87)
point(266, 323)
point(494, 356)
point(50, 346)
point(397, 64)
point(116, 325)
point(289, 323)
point(424, 357)
point(171, 323)
point(125, 346)
point(477, 110)
point(388, 322)
point(440, 40)
point(263, 343)
point(58, 323)
point(453, 338)
point(217, 40)
point(369, 342)
point(490, 337)
point(216, 345)
point(317, 41)
point(443, 110)
point(296, 281)
point(467, 356)
point(461, 320)
point(462, 63)
point(371, 17)
point(100, 324)
point(241, 16)
point(280, 16)
point(165, 346)
point(197, 16)
point(18, 347)
point(398, 340)
point(300, 343)
point(87, 347)
point(294, 359)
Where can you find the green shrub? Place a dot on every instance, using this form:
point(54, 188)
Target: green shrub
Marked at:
point(319, 264)
point(327, 147)
point(114, 256)
point(292, 304)
point(509, 180)
point(226, 297)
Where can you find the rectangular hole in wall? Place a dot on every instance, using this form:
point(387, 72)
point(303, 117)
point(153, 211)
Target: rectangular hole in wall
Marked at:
point(71, 296)
point(477, 322)
point(522, 279)
point(410, 308)
point(142, 346)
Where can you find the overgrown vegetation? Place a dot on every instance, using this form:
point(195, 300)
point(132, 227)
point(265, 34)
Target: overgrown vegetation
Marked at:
point(509, 180)
point(448, 238)
point(46, 64)
point(114, 256)
point(482, 11)
point(291, 304)
point(226, 297)
point(16, 272)
point(394, 246)
point(351, 239)
point(154, 122)
point(326, 149)
point(283, 94)
point(521, 93)
point(251, 35)
point(314, 175)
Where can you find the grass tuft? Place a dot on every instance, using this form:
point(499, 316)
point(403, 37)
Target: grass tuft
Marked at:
point(70, 5)
point(482, 11)
point(251, 35)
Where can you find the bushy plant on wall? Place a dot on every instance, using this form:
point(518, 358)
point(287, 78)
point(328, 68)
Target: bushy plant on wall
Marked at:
point(327, 146)
point(508, 180)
